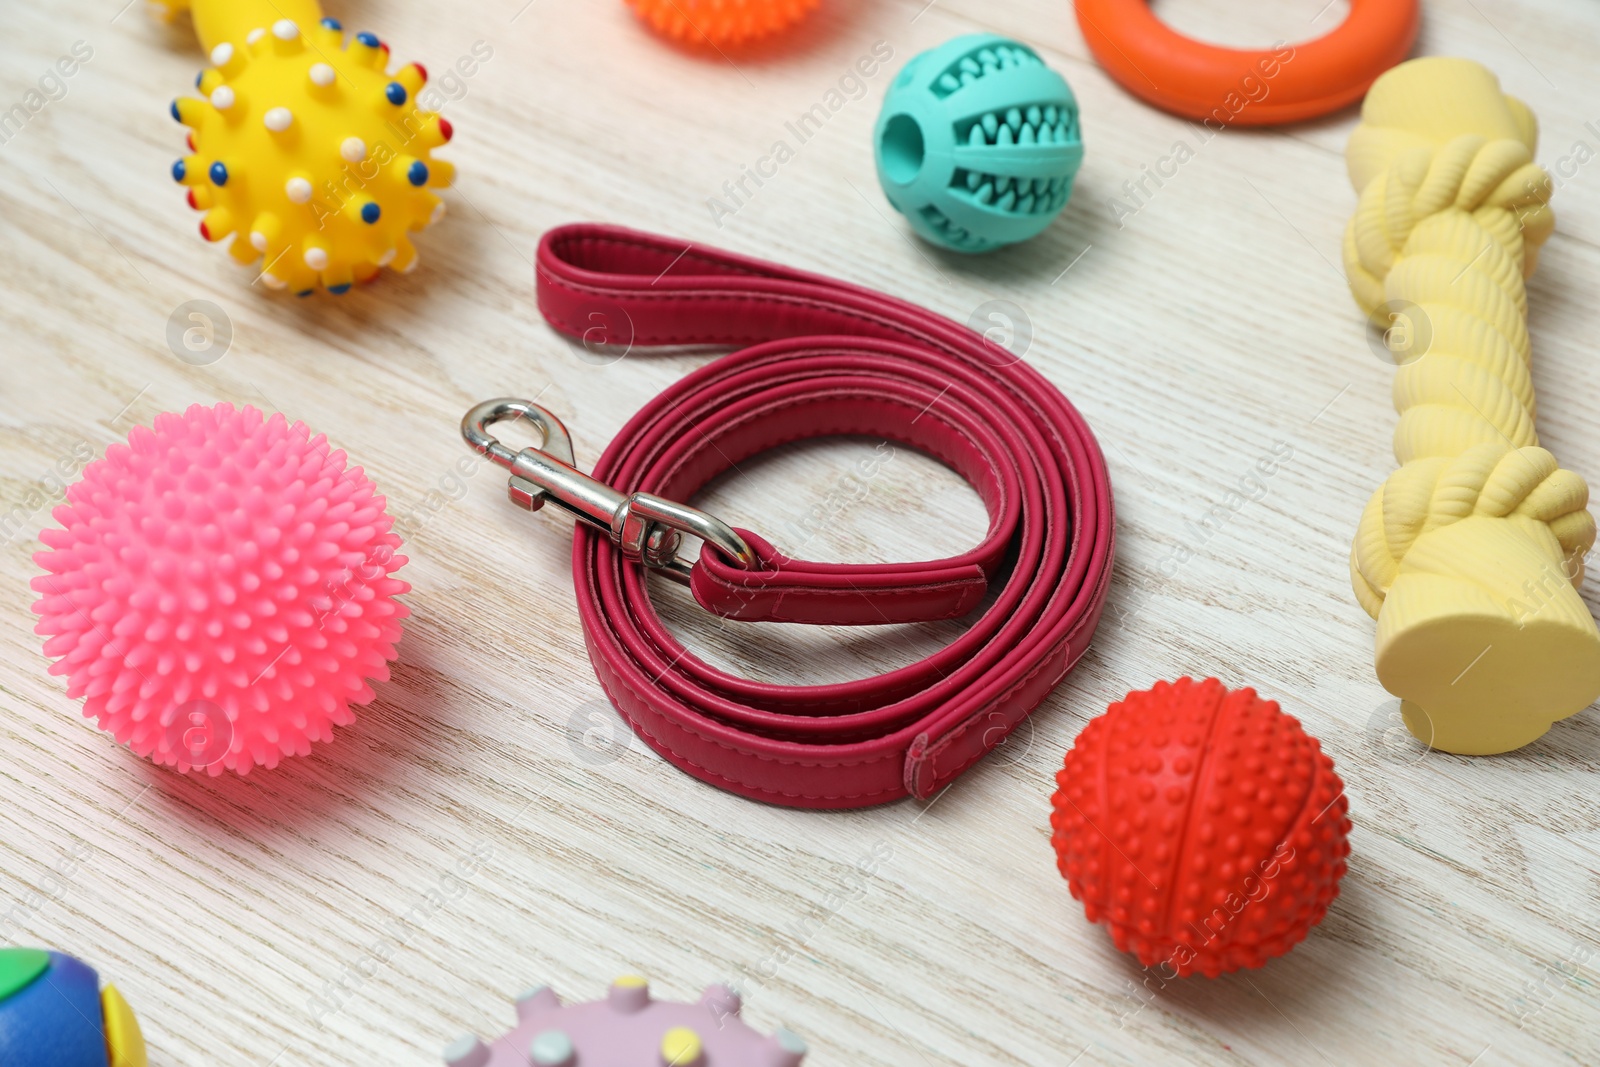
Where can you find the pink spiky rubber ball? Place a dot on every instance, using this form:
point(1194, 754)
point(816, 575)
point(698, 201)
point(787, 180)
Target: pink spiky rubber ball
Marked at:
point(220, 590)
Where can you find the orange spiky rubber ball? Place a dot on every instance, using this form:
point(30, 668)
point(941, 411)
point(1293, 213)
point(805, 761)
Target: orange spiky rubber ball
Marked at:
point(1203, 826)
point(721, 23)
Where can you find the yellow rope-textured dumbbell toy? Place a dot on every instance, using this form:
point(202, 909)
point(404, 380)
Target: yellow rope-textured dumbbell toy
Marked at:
point(1470, 555)
point(303, 148)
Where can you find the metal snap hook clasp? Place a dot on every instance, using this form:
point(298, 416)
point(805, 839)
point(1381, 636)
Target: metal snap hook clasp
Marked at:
point(554, 441)
point(646, 527)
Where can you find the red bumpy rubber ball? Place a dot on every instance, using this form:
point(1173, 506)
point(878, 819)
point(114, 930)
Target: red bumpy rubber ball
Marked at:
point(1204, 827)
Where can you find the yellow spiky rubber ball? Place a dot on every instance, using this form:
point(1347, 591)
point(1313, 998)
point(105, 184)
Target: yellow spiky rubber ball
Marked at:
point(311, 156)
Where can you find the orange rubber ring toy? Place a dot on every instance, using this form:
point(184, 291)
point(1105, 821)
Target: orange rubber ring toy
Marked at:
point(1247, 87)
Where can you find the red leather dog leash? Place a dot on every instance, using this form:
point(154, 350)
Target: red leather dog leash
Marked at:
point(825, 358)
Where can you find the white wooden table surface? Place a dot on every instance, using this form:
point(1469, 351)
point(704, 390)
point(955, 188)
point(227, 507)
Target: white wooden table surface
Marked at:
point(1208, 329)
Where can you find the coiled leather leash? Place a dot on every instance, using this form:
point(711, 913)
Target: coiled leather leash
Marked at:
point(824, 358)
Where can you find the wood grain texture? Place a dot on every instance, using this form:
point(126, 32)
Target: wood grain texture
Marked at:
point(453, 845)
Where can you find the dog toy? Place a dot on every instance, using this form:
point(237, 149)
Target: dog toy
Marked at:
point(1247, 87)
point(978, 143)
point(721, 23)
point(1203, 826)
point(629, 1027)
point(1470, 555)
point(219, 590)
point(303, 148)
point(54, 1013)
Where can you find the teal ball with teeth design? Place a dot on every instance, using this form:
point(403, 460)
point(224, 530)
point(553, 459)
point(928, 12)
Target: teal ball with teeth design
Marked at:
point(978, 143)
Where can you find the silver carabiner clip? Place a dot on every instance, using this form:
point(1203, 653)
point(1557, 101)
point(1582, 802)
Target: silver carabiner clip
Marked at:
point(648, 528)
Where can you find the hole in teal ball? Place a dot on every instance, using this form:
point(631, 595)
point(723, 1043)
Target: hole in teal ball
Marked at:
point(902, 149)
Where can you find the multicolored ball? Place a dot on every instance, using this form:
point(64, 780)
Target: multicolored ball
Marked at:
point(1204, 827)
point(54, 1013)
point(220, 590)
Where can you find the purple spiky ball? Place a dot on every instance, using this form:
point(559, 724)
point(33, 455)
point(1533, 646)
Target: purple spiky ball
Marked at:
point(630, 1027)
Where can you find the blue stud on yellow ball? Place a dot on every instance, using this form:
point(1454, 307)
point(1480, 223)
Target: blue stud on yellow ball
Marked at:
point(978, 143)
point(54, 1013)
